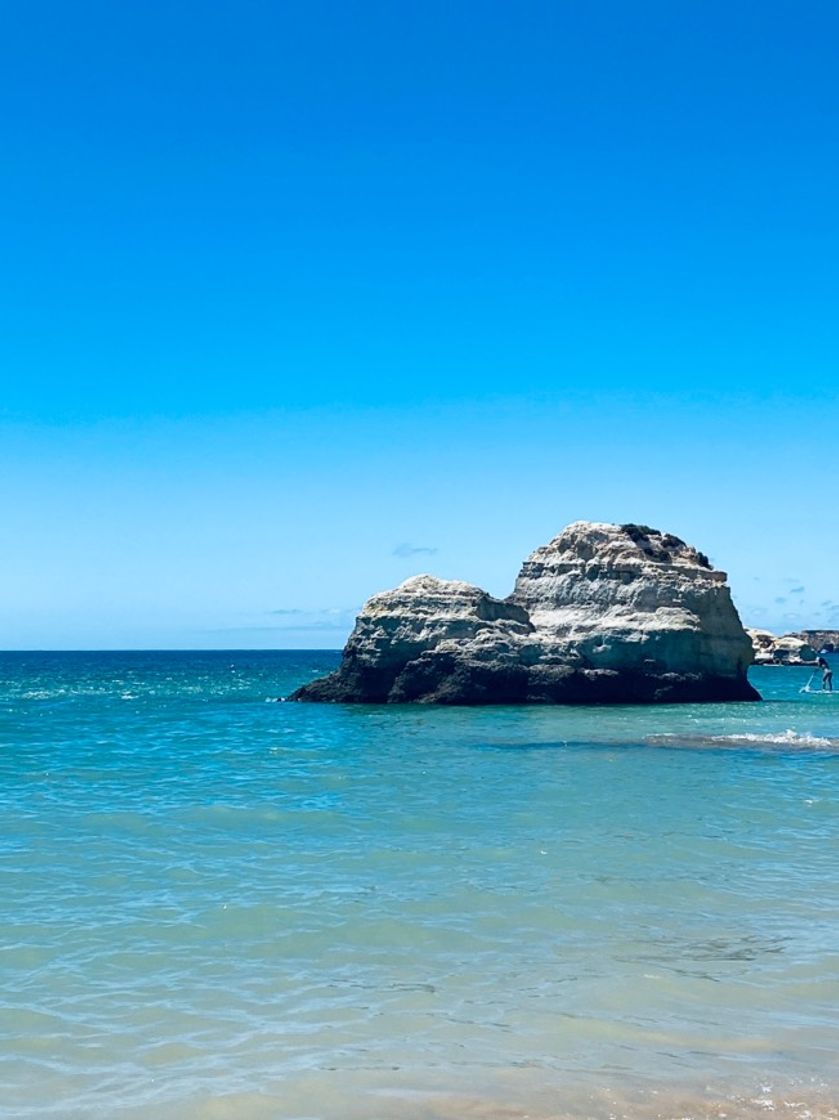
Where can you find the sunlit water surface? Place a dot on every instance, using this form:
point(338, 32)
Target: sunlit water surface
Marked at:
point(217, 906)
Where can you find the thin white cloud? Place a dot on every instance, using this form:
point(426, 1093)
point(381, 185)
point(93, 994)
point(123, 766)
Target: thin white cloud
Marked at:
point(405, 550)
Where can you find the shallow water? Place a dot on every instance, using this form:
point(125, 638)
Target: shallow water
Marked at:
point(217, 906)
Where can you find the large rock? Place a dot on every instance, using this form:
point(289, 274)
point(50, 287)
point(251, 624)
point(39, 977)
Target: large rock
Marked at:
point(601, 614)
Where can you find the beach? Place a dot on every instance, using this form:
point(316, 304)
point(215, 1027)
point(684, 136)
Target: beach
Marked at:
point(216, 905)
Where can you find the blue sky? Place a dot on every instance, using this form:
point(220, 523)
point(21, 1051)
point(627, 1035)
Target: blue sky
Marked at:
point(301, 299)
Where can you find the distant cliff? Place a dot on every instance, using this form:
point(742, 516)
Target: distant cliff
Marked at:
point(601, 614)
point(788, 649)
point(821, 639)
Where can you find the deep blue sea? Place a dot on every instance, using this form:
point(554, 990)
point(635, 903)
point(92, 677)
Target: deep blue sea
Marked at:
point(216, 906)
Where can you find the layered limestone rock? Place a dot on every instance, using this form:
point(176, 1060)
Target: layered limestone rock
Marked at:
point(428, 639)
point(603, 613)
point(631, 598)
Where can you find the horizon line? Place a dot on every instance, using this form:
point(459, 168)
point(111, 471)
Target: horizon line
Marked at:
point(178, 649)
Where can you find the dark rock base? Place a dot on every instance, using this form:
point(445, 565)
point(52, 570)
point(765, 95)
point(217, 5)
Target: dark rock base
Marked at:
point(427, 681)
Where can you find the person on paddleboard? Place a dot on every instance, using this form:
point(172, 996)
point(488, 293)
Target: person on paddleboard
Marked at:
point(827, 674)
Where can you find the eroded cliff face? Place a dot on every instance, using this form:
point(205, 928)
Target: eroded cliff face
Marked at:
point(601, 614)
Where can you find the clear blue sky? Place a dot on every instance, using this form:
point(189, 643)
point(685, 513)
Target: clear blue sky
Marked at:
point(301, 299)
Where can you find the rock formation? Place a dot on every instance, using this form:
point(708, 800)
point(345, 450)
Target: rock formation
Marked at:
point(789, 649)
point(601, 614)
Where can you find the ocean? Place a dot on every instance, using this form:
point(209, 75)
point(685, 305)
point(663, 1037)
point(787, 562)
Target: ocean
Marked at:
point(218, 907)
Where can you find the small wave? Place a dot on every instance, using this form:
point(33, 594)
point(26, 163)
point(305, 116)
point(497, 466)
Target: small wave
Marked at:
point(788, 738)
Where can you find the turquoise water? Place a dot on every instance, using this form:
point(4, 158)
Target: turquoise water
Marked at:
point(215, 906)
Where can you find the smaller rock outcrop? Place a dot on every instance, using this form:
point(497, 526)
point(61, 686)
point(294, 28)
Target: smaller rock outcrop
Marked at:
point(788, 649)
point(429, 639)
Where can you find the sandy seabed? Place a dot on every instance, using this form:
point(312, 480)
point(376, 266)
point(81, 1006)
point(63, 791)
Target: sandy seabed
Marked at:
point(518, 1094)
